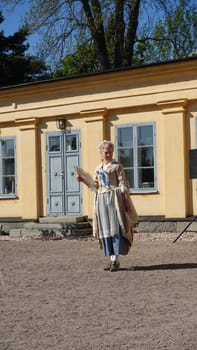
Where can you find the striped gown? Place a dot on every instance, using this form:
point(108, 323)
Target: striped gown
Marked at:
point(108, 208)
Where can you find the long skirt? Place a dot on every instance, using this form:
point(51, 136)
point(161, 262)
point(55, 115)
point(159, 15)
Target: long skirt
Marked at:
point(111, 238)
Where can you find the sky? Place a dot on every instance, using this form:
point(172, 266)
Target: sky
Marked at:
point(12, 22)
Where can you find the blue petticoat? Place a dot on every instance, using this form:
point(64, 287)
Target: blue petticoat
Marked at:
point(116, 245)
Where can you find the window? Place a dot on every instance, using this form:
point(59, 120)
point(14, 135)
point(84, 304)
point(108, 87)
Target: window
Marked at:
point(71, 143)
point(54, 144)
point(135, 149)
point(7, 167)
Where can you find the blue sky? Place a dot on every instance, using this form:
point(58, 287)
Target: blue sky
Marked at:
point(12, 22)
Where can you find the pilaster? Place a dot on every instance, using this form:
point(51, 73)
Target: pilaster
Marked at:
point(175, 157)
point(29, 167)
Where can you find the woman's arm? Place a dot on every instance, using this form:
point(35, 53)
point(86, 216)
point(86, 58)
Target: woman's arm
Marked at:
point(82, 179)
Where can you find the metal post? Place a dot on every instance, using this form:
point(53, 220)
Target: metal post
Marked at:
point(194, 217)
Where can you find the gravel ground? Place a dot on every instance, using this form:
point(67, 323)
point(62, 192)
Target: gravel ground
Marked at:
point(55, 295)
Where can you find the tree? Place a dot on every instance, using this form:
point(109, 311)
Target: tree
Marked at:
point(84, 60)
point(15, 66)
point(117, 30)
point(174, 37)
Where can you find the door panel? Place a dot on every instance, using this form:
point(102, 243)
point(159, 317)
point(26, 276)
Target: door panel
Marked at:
point(55, 185)
point(72, 194)
point(73, 204)
point(56, 204)
point(71, 183)
point(55, 167)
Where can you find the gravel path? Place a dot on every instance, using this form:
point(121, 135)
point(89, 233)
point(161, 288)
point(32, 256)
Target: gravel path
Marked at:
point(55, 295)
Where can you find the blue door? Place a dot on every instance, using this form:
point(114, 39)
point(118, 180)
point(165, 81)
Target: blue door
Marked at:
point(63, 190)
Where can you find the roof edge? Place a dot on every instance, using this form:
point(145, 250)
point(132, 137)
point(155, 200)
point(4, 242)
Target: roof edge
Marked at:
point(98, 73)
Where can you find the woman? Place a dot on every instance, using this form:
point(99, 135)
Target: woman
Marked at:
point(114, 214)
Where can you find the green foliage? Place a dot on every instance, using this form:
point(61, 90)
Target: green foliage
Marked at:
point(84, 60)
point(174, 37)
point(15, 66)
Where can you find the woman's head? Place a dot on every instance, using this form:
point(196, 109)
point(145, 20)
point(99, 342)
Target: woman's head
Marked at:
point(106, 149)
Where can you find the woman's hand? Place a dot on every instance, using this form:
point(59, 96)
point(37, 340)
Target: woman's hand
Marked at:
point(79, 178)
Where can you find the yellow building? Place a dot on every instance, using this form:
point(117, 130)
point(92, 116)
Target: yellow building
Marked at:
point(149, 113)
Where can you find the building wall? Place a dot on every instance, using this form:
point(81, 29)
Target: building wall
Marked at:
point(164, 94)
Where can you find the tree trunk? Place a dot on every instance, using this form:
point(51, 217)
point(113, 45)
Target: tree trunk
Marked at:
point(119, 34)
point(95, 25)
point(131, 32)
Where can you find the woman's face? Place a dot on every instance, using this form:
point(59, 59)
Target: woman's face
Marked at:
point(107, 153)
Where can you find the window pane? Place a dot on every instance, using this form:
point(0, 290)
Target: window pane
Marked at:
point(71, 143)
point(146, 178)
point(8, 166)
point(125, 157)
point(8, 185)
point(125, 137)
point(145, 135)
point(54, 144)
point(145, 156)
point(7, 148)
point(130, 177)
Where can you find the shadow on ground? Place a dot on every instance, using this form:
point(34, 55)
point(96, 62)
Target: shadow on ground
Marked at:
point(173, 266)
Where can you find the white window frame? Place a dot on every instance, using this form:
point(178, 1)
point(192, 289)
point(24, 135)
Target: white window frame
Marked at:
point(136, 188)
point(196, 132)
point(13, 185)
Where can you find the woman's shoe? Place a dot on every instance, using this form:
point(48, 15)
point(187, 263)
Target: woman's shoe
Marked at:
point(115, 266)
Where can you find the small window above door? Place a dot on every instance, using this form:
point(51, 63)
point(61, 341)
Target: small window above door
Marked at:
point(54, 144)
point(72, 143)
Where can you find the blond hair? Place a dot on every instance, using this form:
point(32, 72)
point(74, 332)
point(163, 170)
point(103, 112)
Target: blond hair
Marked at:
point(106, 143)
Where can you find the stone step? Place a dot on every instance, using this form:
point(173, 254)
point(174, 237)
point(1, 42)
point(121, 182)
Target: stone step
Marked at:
point(50, 233)
point(49, 227)
point(84, 232)
point(63, 219)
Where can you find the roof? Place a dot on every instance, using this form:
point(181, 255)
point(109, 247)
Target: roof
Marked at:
point(97, 73)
